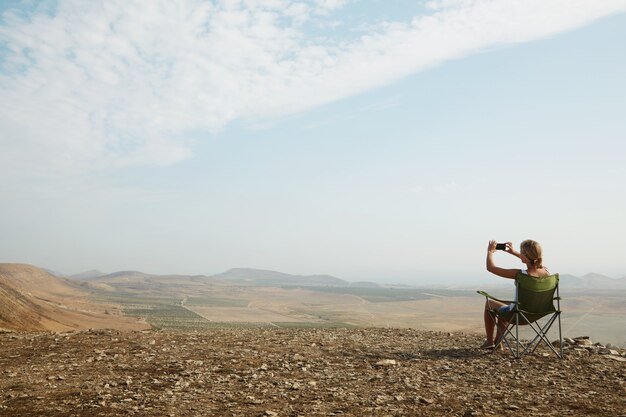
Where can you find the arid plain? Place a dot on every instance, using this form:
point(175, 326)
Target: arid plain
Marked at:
point(256, 298)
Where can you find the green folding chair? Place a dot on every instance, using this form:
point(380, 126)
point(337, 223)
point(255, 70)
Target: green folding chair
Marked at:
point(536, 299)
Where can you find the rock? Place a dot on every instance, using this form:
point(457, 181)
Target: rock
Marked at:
point(386, 362)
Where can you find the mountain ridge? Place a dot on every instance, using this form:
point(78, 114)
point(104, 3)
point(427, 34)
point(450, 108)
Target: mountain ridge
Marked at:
point(263, 277)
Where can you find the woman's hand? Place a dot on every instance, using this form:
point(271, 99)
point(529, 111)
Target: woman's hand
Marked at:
point(509, 249)
point(491, 266)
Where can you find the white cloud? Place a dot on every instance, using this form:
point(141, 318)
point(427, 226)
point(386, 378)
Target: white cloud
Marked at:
point(124, 82)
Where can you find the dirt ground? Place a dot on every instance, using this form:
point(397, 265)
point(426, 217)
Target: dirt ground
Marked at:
point(298, 372)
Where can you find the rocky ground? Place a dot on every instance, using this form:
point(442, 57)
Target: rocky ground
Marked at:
point(304, 372)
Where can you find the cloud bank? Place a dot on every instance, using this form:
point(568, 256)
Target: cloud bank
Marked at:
point(124, 83)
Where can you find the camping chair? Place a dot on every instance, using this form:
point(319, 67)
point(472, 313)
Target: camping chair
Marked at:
point(535, 300)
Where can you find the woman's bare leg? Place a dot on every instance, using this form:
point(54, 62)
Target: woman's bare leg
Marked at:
point(489, 322)
point(502, 325)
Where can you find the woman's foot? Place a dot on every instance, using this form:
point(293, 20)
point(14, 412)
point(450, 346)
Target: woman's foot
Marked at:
point(487, 345)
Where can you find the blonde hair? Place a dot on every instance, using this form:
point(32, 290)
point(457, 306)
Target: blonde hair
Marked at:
point(532, 250)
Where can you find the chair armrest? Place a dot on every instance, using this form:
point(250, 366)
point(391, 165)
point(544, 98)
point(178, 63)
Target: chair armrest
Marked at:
point(494, 298)
point(557, 298)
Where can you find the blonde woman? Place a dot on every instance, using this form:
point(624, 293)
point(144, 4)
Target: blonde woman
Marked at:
point(530, 254)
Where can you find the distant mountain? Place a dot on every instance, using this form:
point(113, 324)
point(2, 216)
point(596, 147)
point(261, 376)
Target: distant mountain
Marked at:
point(120, 277)
point(264, 277)
point(261, 277)
point(94, 273)
point(592, 281)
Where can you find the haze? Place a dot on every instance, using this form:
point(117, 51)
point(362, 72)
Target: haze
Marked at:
point(369, 140)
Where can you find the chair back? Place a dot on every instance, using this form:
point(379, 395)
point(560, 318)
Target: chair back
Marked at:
point(535, 295)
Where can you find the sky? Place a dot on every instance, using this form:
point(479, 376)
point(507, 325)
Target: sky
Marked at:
point(365, 139)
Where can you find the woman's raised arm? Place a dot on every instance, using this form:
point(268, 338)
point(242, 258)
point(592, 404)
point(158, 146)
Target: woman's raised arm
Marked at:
point(491, 266)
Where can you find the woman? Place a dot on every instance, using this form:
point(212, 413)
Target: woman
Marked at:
point(530, 254)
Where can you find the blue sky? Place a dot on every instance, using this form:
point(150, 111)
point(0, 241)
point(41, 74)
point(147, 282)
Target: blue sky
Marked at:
point(386, 141)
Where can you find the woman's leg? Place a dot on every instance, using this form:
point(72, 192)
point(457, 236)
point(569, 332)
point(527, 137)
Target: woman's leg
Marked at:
point(502, 325)
point(489, 321)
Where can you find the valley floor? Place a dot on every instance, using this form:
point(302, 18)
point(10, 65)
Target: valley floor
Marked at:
point(297, 372)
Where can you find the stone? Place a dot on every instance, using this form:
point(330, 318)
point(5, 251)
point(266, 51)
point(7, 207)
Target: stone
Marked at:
point(386, 362)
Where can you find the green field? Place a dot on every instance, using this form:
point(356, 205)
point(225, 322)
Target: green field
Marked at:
point(216, 301)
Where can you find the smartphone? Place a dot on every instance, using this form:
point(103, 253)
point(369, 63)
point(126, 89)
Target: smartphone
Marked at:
point(501, 246)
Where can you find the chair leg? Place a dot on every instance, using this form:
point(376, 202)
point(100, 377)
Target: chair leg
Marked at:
point(502, 339)
point(560, 337)
point(541, 335)
point(500, 332)
point(517, 355)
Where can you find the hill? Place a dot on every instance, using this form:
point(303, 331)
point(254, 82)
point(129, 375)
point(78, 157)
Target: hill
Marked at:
point(592, 281)
point(120, 276)
point(264, 277)
point(94, 273)
point(32, 299)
